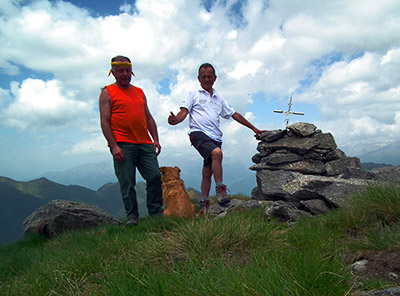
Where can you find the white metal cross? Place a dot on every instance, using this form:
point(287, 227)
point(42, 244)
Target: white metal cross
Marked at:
point(288, 112)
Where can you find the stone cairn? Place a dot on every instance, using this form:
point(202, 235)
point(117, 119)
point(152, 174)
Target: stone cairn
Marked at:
point(300, 171)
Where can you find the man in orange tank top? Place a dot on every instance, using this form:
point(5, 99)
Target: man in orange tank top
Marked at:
point(131, 133)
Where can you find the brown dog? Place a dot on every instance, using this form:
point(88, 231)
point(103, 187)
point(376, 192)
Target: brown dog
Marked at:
point(175, 198)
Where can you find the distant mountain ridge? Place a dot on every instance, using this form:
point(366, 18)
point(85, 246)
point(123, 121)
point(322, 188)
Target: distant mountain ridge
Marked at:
point(90, 175)
point(237, 177)
point(389, 154)
point(19, 199)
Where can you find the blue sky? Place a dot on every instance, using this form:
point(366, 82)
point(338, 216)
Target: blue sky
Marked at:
point(339, 60)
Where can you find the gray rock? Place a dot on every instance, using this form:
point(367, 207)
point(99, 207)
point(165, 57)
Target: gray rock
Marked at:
point(332, 190)
point(305, 167)
point(255, 194)
point(296, 145)
point(257, 157)
point(271, 136)
point(387, 174)
point(393, 276)
point(278, 158)
point(359, 266)
point(325, 141)
point(270, 184)
point(387, 292)
point(315, 206)
point(215, 209)
point(358, 173)
point(335, 154)
point(340, 166)
point(61, 215)
point(283, 212)
point(313, 155)
point(236, 205)
point(302, 129)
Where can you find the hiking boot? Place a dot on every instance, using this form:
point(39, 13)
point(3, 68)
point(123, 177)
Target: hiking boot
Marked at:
point(204, 204)
point(203, 207)
point(221, 194)
point(132, 221)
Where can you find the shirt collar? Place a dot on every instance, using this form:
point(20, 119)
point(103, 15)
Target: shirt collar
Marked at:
point(215, 93)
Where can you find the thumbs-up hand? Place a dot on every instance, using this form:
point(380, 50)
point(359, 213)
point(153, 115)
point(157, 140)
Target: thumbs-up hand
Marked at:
point(172, 120)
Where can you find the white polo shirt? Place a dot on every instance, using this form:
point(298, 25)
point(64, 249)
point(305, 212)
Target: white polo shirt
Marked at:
point(204, 112)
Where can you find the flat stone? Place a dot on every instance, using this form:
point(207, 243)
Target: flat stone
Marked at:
point(302, 129)
point(304, 167)
point(278, 158)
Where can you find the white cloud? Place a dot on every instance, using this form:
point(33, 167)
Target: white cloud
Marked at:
point(42, 104)
point(245, 68)
point(341, 56)
point(95, 144)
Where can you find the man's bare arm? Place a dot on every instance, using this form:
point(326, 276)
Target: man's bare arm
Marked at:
point(178, 118)
point(105, 117)
point(239, 118)
point(152, 126)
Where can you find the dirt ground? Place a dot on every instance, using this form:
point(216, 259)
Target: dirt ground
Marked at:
point(381, 264)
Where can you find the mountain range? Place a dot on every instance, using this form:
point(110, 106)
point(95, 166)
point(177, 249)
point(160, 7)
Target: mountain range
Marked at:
point(19, 199)
point(389, 154)
point(95, 184)
point(237, 176)
point(239, 179)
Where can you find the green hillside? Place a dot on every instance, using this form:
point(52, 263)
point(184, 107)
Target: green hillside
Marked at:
point(19, 199)
point(240, 254)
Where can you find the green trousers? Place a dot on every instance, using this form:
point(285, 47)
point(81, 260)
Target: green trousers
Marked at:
point(144, 158)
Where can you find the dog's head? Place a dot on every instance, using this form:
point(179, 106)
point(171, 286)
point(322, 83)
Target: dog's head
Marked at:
point(170, 173)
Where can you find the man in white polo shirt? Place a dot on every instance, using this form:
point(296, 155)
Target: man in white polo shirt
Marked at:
point(205, 107)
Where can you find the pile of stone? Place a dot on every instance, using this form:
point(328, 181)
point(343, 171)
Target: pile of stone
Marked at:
point(301, 171)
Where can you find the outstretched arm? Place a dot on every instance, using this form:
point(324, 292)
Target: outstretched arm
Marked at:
point(239, 118)
point(178, 118)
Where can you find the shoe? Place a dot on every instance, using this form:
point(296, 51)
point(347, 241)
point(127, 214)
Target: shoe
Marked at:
point(221, 194)
point(132, 221)
point(157, 214)
point(204, 204)
point(203, 207)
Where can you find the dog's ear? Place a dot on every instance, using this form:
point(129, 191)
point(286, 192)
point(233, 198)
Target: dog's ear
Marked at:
point(162, 169)
point(179, 170)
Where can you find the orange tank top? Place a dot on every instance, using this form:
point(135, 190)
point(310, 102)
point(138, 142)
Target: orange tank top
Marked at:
point(128, 118)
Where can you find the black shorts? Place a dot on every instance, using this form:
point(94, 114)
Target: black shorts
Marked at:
point(204, 144)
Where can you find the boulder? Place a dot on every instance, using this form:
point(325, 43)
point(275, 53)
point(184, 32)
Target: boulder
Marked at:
point(341, 165)
point(270, 184)
point(387, 174)
point(60, 215)
point(315, 206)
point(302, 129)
point(331, 190)
point(283, 212)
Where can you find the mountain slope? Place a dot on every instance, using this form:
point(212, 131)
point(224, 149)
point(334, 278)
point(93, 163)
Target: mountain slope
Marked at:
point(237, 177)
point(19, 199)
point(90, 175)
point(389, 154)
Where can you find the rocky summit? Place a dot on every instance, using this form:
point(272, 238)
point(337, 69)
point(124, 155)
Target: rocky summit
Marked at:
point(300, 171)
